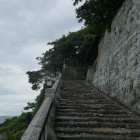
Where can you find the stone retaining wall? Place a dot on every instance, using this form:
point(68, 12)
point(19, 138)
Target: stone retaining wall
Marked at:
point(118, 64)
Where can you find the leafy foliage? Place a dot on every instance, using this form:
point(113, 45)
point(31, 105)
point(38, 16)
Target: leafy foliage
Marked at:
point(73, 45)
point(35, 78)
point(66, 47)
point(30, 106)
point(39, 100)
point(98, 13)
point(16, 126)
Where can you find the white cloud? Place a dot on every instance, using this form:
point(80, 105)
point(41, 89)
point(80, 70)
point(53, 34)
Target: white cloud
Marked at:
point(26, 26)
point(15, 92)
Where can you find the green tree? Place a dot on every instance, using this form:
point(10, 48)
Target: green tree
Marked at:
point(98, 14)
point(73, 45)
point(30, 106)
point(16, 126)
point(36, 78)
point(39, 100)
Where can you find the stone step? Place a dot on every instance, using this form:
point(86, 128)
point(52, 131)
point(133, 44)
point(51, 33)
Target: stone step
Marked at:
point(92, 94)
point(89, 103)
point(87, 106)
point(82, 96)
point(96, 106)
point(95, 115)
point(77, 93)
point(101, 131)
point(95, 100)
point(92, 97)
point(97, 119)
point(85, 102)
point(80, 110)
point(97, 125)
point(84, 136)
point(62, 100)
point(87, 114)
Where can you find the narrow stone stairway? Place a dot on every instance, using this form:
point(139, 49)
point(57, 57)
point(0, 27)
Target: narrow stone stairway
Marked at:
point(87, 114)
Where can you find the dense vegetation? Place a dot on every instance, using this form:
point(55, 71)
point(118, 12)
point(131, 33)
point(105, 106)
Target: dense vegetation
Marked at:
point(97, 16)
point(74, 45)
point(16, 126)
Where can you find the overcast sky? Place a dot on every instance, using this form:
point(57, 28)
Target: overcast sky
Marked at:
point(26, 26)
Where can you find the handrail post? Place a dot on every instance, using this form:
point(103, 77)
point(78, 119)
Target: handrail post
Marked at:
point(49, 132)
point(54, 93)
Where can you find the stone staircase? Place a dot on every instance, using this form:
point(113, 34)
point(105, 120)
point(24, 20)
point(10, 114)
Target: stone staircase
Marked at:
point(87, 114)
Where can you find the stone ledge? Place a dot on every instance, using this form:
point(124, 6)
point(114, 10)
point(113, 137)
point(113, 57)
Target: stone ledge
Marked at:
point(34, 129)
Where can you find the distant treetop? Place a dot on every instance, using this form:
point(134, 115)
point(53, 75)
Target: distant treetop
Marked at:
point(98, 13)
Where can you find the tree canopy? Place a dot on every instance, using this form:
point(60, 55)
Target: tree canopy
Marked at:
point(16, 126)
point(73, 45)
point(98, 13)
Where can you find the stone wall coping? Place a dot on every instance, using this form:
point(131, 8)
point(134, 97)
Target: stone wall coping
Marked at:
point(34, 129)
point(55, 85)
point(50, 92)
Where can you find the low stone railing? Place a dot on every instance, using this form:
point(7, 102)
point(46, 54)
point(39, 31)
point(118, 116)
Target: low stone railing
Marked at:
point(72, 63)
point(41, 127)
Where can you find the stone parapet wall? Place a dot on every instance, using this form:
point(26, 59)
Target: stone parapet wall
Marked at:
point(118, 64)
point(73, 73)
